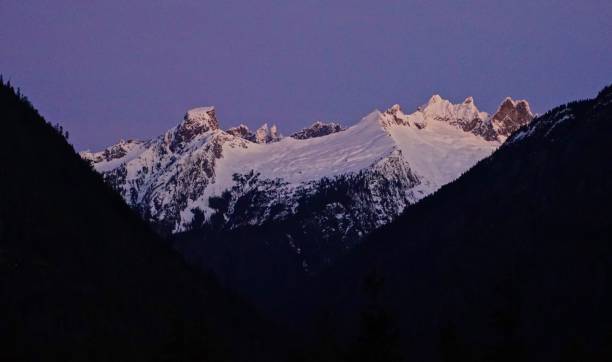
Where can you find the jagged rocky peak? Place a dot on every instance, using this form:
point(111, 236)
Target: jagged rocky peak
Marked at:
point(265, 134)
point(113, 152)
point(170, 175)
point(204, 117)
point(395, 116)
point(196, 121)
point(510, 116)
point(120, 149)
point(436, 98)
point(466, 116)
point(394, 109)
point(463, 115)
point(318, 129)
point(243, 132)
point(442, 109)
point(437, 103)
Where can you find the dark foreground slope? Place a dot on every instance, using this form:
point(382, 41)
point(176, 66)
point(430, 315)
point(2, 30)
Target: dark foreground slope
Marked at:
point(83, 278)
point(511, 262)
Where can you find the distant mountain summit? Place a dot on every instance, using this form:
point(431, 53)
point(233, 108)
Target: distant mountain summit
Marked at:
point(243, 132)
point(239, 202)
point(195, 122)
point(317, 129)
point(510, 116)
point(82, 277)
point(264, 134)
point(404, 157)
point(511, 262)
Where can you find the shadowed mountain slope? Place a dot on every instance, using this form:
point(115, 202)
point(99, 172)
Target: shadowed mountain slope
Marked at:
point(511, 262)
point(82, 277)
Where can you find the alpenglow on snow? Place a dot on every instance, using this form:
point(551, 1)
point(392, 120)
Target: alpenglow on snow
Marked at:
point(400, 158)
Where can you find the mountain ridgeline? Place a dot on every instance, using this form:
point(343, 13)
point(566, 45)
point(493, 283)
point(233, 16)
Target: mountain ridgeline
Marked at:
point(83, 278)
point(264, 213)
point(447, 234)
point(170, 179)
point(511, 262)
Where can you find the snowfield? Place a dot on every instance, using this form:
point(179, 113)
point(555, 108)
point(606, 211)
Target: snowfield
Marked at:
point(166, 178)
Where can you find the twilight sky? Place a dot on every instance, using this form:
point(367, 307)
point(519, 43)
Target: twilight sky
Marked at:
point(130, 69)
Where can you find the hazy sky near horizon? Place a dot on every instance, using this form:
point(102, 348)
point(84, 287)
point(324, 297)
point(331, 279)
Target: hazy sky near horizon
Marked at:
point(111, 69)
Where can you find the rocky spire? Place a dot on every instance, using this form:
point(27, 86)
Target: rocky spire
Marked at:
point(203, 118)
point(243, 132)
point(462, 115)
point(265, 134)
point(394, 109)
point(395, 116)
point(510, 116)
point(195, 122)
point(436, 98)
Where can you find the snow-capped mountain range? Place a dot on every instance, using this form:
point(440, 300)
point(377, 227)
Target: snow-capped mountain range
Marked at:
point(196, 172)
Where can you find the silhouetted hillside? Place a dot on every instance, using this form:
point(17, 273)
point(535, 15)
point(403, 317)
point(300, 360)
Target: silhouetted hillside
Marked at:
point(83, 278)
point(511, 262)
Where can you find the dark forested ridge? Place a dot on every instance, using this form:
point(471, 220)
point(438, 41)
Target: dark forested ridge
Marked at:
point(511, 262)
point(82, 278)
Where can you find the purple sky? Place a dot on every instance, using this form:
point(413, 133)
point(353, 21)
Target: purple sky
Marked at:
point(130, 69)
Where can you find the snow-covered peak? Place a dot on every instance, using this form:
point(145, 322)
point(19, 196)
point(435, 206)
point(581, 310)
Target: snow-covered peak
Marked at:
point(395, 116)
point(394, 108)
point(114, 152)
point(167, 177)
point(436, 98)
point(197, 121)
point(464, 115)
point(201, 117)
point(200, 110)
point(508, 100)
point(373, 117)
